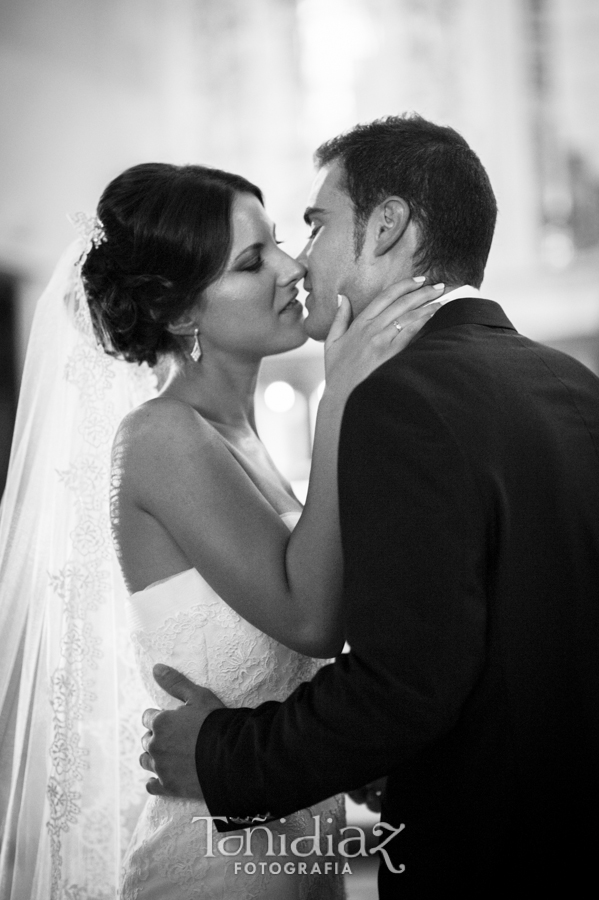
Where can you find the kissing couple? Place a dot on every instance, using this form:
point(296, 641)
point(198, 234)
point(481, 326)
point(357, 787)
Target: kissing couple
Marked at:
point(450, 536)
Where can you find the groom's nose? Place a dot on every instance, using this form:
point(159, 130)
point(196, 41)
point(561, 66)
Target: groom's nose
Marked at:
point(302, 257)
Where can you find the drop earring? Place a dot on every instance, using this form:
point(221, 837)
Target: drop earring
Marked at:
point(196, 350)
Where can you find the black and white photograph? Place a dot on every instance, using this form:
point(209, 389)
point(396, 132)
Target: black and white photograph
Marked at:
point(299, 449)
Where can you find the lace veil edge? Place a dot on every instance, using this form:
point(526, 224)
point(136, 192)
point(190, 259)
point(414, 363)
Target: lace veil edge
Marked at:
point(69, 696)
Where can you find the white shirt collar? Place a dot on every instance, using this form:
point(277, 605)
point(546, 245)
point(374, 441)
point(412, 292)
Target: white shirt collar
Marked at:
point(465, 290)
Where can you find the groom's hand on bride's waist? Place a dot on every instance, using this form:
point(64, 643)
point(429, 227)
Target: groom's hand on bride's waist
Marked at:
point(170, 741)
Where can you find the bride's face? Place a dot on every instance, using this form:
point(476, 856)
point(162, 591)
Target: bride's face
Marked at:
point(252, 309)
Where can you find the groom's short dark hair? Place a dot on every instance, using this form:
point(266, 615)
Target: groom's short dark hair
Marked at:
point(438, 175)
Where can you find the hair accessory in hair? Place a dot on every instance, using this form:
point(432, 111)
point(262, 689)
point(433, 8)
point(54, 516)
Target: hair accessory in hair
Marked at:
point(90, 228)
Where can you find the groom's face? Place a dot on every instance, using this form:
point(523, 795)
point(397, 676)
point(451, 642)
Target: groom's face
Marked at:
point(329, 254)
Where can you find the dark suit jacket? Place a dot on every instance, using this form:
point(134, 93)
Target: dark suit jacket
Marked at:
point(469, 498)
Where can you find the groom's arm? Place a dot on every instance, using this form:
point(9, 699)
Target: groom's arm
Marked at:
point(413, 537)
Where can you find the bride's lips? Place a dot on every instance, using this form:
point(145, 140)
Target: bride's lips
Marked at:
point(292, 306)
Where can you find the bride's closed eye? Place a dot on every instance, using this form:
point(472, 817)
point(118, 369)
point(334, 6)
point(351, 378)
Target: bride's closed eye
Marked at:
point(253, 265)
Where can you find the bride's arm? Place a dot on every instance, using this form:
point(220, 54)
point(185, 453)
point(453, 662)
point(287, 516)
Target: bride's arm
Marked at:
point(176, 469)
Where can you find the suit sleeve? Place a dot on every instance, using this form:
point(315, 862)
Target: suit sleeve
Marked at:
point(414, 543)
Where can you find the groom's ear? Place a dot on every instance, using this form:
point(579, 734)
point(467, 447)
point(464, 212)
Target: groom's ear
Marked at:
point(389, 220)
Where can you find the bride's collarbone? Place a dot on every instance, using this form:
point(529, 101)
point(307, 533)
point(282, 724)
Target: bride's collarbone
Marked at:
point(240, 440)
point(253, 457)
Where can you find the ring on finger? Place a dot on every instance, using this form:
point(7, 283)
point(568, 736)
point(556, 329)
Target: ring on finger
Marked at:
point(397, 325)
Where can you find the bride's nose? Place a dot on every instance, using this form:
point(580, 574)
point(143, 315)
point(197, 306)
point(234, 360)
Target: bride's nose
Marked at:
point(293, 271)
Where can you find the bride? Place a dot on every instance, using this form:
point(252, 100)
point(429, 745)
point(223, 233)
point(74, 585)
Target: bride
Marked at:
point(225, 577)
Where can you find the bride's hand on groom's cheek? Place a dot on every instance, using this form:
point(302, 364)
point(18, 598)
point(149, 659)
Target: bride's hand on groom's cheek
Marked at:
point(170, 741)
point(355, 348)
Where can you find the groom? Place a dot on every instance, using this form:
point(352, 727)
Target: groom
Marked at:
point(469, 503)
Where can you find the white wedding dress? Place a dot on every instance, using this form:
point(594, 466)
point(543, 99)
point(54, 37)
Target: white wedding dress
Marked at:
point(72, 789)
point(182, 622)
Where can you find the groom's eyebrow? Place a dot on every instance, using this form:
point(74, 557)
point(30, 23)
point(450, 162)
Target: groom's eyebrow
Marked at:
point(312, 211)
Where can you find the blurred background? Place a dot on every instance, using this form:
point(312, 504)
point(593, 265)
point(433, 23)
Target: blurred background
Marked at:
point(90, 87)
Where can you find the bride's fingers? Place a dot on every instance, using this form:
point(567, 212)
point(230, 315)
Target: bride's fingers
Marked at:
point(147, 737)
point(397, 312)
point(398, 334)
point(409, 323)
point(400, 298)
point(341, 322)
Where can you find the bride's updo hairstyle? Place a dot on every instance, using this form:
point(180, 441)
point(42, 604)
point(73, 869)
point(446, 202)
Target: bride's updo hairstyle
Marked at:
point(168, 236)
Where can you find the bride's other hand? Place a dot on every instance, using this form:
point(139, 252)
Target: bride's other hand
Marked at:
point(354, 349)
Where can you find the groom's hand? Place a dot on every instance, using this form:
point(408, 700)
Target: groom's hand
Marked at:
point(170, 741)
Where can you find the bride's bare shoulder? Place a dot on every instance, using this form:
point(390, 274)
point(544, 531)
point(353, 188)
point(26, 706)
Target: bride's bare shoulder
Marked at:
point(160, 429)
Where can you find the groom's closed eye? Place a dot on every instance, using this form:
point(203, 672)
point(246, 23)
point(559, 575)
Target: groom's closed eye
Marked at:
point(311, 213)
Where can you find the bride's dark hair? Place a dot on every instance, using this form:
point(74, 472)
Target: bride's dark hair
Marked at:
point(168, 235)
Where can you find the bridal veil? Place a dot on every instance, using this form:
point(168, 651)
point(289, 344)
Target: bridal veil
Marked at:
point(71, 788)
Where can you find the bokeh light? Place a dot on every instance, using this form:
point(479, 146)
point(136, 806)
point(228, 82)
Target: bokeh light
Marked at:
point(279, 397)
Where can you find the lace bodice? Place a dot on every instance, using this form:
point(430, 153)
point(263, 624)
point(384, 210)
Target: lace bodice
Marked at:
point(182, 622)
